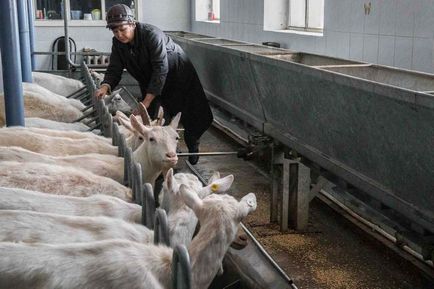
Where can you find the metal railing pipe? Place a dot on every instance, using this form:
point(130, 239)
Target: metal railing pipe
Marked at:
point(11, 62)
point(66, 15)
point(31, 17)
point(23, 26)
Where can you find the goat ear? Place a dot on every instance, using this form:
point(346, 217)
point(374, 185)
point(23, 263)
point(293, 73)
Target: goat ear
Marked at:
point(218, 186)
point(120, 114)
point(221, 185)
point(190, 198)
point(169, 179)
point(160, 116)
point(246, 205)
point(138, 126)
point(215, 176)
point(124, 120)
point(116, 91)
point(144, 114)
point(175, 121)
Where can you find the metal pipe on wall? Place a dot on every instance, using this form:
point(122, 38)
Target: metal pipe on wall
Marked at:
point(23, 24)
point(66, 15)
point(31, 16)
point(11, 62)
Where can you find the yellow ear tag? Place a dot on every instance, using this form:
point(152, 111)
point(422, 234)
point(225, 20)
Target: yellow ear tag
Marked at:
point(214, 187)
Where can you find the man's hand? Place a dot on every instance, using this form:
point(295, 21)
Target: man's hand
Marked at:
point(101, 92)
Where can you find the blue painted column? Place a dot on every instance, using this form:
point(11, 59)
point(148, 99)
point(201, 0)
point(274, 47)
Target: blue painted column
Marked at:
point(23, 24)
point(31, 16)
point(11, 63)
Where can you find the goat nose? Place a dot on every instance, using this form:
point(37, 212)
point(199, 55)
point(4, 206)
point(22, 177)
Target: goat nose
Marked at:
point(171, 155)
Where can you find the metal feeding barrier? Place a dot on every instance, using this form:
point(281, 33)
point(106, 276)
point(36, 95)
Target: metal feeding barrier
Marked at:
point(96, 112)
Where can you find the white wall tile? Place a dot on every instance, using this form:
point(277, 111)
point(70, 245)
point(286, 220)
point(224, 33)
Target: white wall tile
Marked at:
point(357, 16)
point(386, 50)
point(403, 52)
point(424, 20)
point(338, 44)
point(423, 54)
point(405, 18)
point(372, 20)
point(370, 48)
point(387, 17)
point(356, 46)
point(320, 45)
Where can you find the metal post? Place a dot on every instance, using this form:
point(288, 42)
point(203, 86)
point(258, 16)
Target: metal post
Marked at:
point(11, 62)
point(181, 268)
point(296, 195)
point(31, 15)
point(276, 181)
point(23, 24)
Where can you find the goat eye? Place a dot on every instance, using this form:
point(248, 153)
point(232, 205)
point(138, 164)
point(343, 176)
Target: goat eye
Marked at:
point(140, 138)
point(177, 138)
point(151, 139)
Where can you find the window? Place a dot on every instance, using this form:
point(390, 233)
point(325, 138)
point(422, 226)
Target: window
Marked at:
point(306, 14)
point(80, 9)
point(208, 10)
point(294, 15)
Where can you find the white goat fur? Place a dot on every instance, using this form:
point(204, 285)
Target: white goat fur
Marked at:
point(95, 205)
point(182, 220)
point(36, 227)
point(67, 134)
point(39, 105)
point(119, 264)
point(59, 180)
point(56, 83)
point(50, 145)
point(109, 166)
point(52, 124)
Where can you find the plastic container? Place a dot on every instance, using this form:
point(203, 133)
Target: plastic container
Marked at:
point(75, 14)
point(96, 14)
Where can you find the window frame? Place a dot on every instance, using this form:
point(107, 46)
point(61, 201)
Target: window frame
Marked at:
point(306, 19)
point(82, 22)
point(199, 15)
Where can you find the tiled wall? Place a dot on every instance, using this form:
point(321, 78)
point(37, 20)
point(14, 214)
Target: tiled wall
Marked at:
point(396, 32)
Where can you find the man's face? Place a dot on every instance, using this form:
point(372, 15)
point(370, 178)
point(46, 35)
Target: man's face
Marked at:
point(124, 33)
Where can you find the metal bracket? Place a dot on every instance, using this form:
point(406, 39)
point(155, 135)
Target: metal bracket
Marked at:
point(148, 206)
point(161, 228)
point(181, 268)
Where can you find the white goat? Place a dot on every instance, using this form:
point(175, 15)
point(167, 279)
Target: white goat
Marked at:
point(109, 166)
point(52, 124)
point(36, 227)
point(182, 220)
point(44, 106)
point(115, 102)
point(95, 205)
point(157, 152)
point(50, 145)
point(134, 265)
point(56, 83)
point(59, 180)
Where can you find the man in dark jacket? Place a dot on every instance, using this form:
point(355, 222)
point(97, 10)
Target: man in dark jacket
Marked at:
point(162, 69)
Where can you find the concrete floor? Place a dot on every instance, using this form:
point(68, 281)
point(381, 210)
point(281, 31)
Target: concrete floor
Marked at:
point(332, 254)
